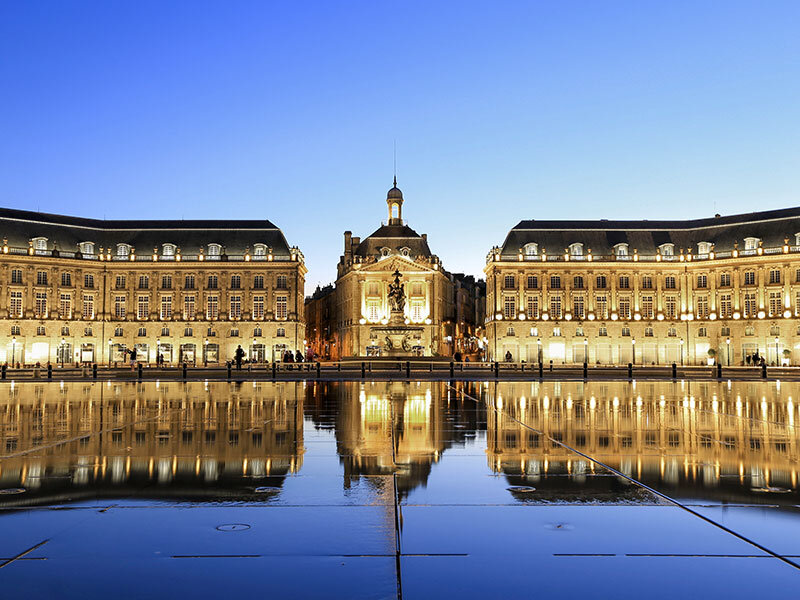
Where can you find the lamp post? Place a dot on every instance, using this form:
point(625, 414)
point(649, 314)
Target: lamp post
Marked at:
point(681, 351)
point(633, 351)
point(777, 358)
point(253, 350)
point(539, 349)
point(13, 350)
point(585, 350)
point(728, 344)
point(61, 352)
point(205, 352)
point(158, 351)
point(110, 341)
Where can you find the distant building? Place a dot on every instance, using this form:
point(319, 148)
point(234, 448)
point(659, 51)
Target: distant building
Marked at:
point(85, 290)
point(724, 289)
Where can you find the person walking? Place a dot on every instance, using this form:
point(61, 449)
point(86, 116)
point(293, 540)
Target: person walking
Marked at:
point(133, 358)
point(298, 356)
point(238, 356)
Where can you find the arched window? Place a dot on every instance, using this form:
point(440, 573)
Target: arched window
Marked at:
point(620, 250)
point(281, 332)
point(142, 332)
point(87, 248)
point(39, 245)
point(118, 332)
point(531, 249)
point(667, 249)
point(259, 250)
point(703, 248)
point(576, 249)
point(395, 210)
point(214, 250)
point(168, 250)
point(123, 250)
point(751, 244)
point(257, 332)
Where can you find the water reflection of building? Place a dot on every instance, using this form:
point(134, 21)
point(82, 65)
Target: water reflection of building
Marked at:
point(190, 440)
point(737, 438)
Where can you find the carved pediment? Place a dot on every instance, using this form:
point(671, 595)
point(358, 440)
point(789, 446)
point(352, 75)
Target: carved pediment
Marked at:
point(395, 263)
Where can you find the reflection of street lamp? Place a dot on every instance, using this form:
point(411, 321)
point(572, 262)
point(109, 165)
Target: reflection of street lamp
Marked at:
point(681, 351)
point(728, 344)
point(205, 352)
point(633, 351)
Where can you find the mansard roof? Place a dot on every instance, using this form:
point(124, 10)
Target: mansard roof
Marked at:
point(772, 227)
point(394, 237)
point(20, 226)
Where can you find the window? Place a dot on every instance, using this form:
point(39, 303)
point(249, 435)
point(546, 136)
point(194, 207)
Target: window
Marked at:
point(624, 282)
point(119, 283)
point(510, 332)
point(672, 332)
point(578, 307)
point(166, 307)
point(601, 282)
point(626, 332)
point(775, 304)
point(725, 306)
point(647, 282)
point(647, 307)
point(119, 307)
point(667, 249)
point(704, 248)
point(66, 279)
point(165, 331)
point(188, 332)
point(16, 276)
point(235, 312)
point(280, 282)
point(624, 305)
point(118, 332)
point(87, 331)
point(15, 330)
point(602, 331)
point(188, 282)
point(532, 308)
point(702, 332)
point(702, 307)
point(88, 282)
point(579, 332)
point(214, 250)
point(509, 282)
point(725, 280)
point(533, 282)
point(749, 277)
point(39, 244)
point(531, 249)
point(41, 304)
point(168, 250)
point(671, 307)
point(281, 332)
point(576, 249)
point(702, 281)
point(40, 330)
point(212, 307)
point(189, 308)
point(751, 244)
point(258, 282)
point(556, 331)
point(750, 307)
point(259, 250)
point(142, 332)
point(648, 332)
point(416, 289)
point(555, 307)
point(417, 307)
point(257, 332)
point(236, 282)
point(749, 330)
point(143, 307)
point(555, 282)
point(87, 248)
point(577, 282)
point(144, 282)
point(166, 282)
point(509, 307)
point(669, 282)
point(724, 331)
point(258, 307)
point(41, 278)
point(774, 330)
point(281, 307)
point(123, 250)
point(621, 250)
point(775, 276)
point(65, 306)
point(211, 333)
point(15, 308)
point(213, 282)
point(601, 307)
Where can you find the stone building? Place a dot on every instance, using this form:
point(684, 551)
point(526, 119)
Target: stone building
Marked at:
point(392, 297)
point(721, 289)
point(85, 290)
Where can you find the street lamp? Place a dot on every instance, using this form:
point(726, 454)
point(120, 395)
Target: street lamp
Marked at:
point(61, 352)
point(728, 344)
point(681, 351)
point(539, 347)
point(253, 351)
point(13, 350)
point(585, 350)
point(110, 341)
point(205, 352)
point(633, 351)
point(777, 358)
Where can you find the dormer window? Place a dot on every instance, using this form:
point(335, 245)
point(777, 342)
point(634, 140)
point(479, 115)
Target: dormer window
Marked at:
point(797, 239)
point(385, 252)
point(123, 250)
point(87, 248)
point(531, 249)
point(259, 250)
point(39, 245)
point(751, 244)
point(214, 250)
point(667, 249)
point(405, 252)
point(620, 250)
point(703, 248)
point(576, 249)
point(168, 250)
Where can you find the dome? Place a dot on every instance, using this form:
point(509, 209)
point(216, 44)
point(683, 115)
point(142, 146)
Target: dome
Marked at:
point(395, 194)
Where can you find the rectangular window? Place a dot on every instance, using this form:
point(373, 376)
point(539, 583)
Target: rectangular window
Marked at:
point(143, 307)
point(725, 306)
point(647, 307)
point(88, 282)
point(166, 307)
point(212, 307)
point(671, 307)
point(555, 308)
point(509, 282)
point(88, 307)
point(373, 310)
point(669, 282)
point(509, 307)
point(775, 304)
point(41, 278)
point(41, 304)
point(533, 282)
point(624, 305)
point(601, 307)
point(624, 282)
point(281, 307)
point(577, 282)
point(236, 282)
point(750, 278)
point(725, 280)
point(119, 307)
point(555, 282)
point(16, 276)
point(258, 307)
point(532, 309)
point(15, 308)
point(578, 307)
point(702, 281)
point(235, 311)
point(213, 282)
point(775, 276)
point(144, 282)
point(750, 307)
point(601, 282)
point(647, 282)
point(166, 282)
point(66, 279)
point(65, 306)
point(120, 282)
point(188, 282)
point(258, 282)
point(280, 283)
point(702, 307)
point(189, 307)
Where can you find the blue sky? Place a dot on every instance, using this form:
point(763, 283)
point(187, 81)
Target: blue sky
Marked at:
point(500, 111)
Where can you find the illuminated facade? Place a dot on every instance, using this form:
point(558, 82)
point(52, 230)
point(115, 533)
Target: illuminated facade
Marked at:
point(83, 290)
point(363, 321)
point(647, 292)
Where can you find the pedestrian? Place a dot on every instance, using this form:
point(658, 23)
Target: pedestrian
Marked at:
point(133, 357)
point(508, 356)
point(298, 356)
point(239, 355)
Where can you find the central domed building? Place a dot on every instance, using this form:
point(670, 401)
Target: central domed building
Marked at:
point(392, 296)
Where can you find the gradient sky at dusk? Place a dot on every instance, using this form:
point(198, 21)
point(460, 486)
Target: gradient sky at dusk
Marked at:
point(500, 111)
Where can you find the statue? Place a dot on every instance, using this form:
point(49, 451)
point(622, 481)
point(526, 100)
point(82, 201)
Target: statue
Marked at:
point(397, 295)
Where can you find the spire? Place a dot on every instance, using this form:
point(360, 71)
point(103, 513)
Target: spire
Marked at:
point(394, 182)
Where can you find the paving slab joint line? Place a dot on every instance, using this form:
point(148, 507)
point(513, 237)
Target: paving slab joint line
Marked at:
point(644, 486)
point(22, 554)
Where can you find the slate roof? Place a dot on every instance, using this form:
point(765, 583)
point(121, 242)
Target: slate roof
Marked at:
point(20, 226)
point(772, 227)
point(394, 237)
